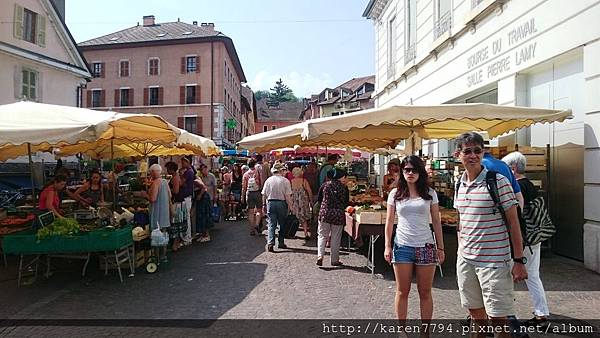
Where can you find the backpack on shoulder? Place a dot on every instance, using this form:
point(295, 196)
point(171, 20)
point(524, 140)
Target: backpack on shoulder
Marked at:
point(253, 184)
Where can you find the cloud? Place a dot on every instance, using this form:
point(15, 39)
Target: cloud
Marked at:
point(303, 85)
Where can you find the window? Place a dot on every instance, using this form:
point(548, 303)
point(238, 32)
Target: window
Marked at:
point(96, 98)
point(273, 127)
point(29, 26)
point(190, 94)
point(443, 20)
point(190, 64)
point(392, 40)
point(124, 68)
point(410, 30)
point(124, 101)
point(189, 124)
point(29, 84)
point(153, 96)
point(97, 69)
point(265, 128)
point(29, 23)
point(153, 66)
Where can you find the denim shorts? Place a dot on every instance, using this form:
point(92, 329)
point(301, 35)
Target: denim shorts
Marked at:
point(426, 255)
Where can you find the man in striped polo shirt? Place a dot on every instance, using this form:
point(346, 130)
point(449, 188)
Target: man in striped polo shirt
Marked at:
point(483, 266)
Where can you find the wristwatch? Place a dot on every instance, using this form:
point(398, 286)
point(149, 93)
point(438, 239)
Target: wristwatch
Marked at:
point(521, 260)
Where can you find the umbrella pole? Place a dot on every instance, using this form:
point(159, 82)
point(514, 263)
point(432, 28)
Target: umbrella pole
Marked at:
point(115, 181)
point(31, 173)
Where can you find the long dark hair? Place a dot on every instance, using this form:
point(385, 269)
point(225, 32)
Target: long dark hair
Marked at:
point(422, 187)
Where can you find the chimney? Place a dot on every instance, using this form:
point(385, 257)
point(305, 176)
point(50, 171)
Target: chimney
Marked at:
point(148, 20)
point(210, 25)
point(195, 23)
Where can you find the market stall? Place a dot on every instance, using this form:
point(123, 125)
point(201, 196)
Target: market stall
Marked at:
point(380, 129)
point(84, 131)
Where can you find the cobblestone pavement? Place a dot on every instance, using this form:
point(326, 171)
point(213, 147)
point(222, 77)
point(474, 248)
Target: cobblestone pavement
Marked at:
point(232, 277)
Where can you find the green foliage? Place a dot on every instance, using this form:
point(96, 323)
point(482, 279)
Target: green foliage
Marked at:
point(281, 93)
point(261, 94)
point(60, 227)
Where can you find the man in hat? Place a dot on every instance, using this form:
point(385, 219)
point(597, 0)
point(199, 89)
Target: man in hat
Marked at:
point(186, 189)
point(276, 194)
point(332, 160)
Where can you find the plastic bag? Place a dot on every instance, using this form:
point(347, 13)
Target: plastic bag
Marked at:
point(158, 238)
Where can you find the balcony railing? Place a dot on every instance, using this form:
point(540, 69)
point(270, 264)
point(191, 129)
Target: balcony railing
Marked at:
point(442, 25)
point(410, 53)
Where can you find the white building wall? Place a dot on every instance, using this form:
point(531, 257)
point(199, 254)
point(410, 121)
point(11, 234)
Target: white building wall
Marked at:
point(539, 53)
point(591, 228)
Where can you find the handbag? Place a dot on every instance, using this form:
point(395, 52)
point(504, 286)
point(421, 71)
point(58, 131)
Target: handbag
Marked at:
point(539, 226)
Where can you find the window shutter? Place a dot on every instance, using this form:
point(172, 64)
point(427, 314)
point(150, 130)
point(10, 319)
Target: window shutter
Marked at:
point(17, 77)
point(18, 28)
point(89, 98)
point(117, 103)
point(102, 69)
point(183, 65)
point(180, 122)
point(41, 30)
point(198, 95)
point(146, 96)
point(182, 95)
point(197, 64)
point(103, 98)
point(160, 95)
point(130, 99)
point(199, 130)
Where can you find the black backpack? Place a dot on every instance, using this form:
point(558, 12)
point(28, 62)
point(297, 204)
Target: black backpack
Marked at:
point(492, 186)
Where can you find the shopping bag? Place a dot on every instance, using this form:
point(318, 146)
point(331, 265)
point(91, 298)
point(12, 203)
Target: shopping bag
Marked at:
point(216, 213)
point(291, 226)
point(158, 238)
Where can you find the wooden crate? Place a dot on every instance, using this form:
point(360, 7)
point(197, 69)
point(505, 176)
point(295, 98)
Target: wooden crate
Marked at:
point(139, 260)
point(371, 217)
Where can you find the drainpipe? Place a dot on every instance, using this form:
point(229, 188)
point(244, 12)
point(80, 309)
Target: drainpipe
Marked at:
point(212, 88)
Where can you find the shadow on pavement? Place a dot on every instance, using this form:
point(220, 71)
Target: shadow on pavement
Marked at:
point(213, 276)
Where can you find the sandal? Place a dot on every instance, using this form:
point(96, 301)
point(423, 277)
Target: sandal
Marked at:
point(320, 261)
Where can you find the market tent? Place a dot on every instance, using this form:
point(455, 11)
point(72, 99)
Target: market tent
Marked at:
point(288, 136)
point(186, 144)
point(42, 127)
point(381, 127)
point(273, 139)
point(313, 151)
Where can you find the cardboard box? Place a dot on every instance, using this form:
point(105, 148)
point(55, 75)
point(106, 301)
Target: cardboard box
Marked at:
point(371, 217)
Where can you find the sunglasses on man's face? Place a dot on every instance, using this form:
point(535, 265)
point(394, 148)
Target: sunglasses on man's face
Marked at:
point(410, 170)
point(469, 151)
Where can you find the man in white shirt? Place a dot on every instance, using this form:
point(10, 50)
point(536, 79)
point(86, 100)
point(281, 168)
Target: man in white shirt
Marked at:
point(276, 194)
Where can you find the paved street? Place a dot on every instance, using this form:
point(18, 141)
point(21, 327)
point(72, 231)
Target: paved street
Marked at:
point(232, 278)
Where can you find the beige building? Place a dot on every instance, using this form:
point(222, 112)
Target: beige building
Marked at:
point(188, 73)
point(352, 95)
point(39, 60)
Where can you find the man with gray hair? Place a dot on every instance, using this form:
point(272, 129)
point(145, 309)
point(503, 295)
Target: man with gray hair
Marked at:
point(276, 195)
point(483, 264)
point(517, 162)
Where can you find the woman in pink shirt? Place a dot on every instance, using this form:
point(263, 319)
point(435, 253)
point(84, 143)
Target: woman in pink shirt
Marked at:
point(49, 199)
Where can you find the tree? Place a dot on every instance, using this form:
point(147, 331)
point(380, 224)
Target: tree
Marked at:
point(261, 94)
point(280, 93)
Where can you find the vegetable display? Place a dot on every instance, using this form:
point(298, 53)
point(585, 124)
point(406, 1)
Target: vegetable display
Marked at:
point(60, 227)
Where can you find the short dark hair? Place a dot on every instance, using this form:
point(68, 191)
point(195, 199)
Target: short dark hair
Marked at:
point(95, 171)
point(172, 166)
point(469, 138)
point(259, 158)
point(251, 163)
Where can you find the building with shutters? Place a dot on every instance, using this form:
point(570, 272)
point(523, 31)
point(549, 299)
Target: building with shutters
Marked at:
point(39, 59)
point(352, 95)
point(537, 53)
point(188, 73)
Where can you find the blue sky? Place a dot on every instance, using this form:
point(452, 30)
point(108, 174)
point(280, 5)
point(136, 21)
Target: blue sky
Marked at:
point(310, 44)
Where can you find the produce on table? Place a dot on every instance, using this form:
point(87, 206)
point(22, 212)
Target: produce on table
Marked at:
point(60, 227)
